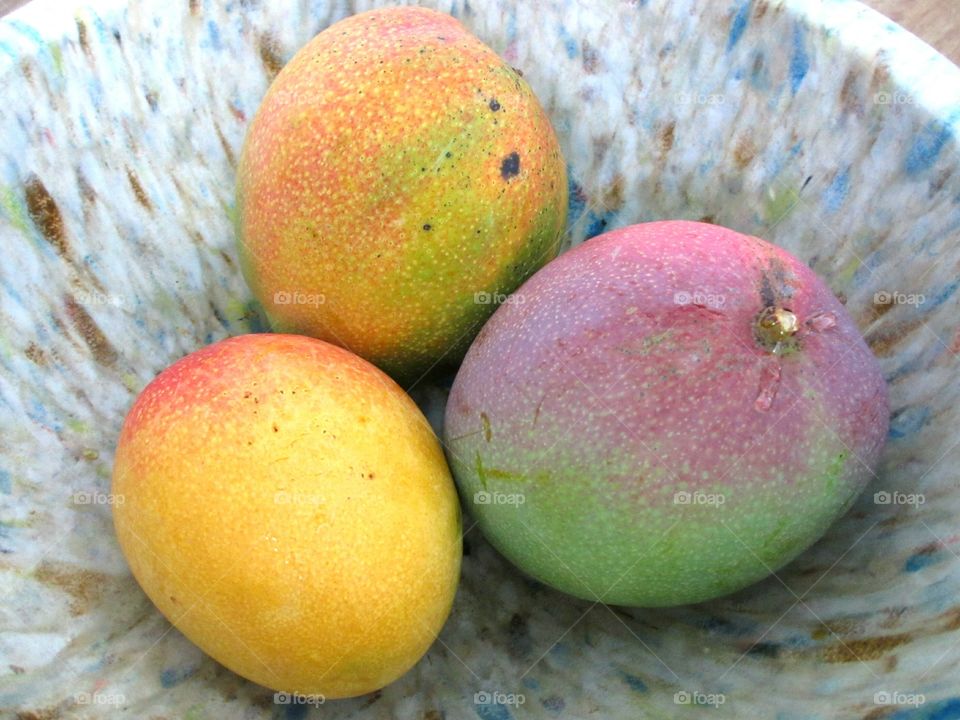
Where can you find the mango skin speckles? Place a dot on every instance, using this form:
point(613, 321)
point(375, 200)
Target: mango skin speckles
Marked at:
point(605, 430)
point(396, 169)
point(288, 508)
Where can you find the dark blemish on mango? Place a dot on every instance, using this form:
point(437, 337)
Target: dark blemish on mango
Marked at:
point(427, 227)
point(510, 167)
point(536, 412)
point(494, 105)
point(766, 292)
point(275, 428)
point(45, 214)
point(103, 352)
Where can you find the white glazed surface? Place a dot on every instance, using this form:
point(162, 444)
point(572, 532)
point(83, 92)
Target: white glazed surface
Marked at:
point(819, 126)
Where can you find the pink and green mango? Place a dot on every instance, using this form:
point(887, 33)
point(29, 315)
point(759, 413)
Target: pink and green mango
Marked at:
point(665, 414)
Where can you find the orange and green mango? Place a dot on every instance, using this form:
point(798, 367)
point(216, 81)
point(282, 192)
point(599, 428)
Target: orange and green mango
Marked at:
point(398, 180)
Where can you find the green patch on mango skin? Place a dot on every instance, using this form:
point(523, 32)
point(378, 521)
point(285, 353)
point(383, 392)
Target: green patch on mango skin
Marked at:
point(786, 539)
point(442, 221)
point(480, 474)
point(399, 225)
point(487, 431)
point(473, 306)
point(749, 534)
point(834, 473)
point(543, 246)
point(451, 336)
point(484, 474)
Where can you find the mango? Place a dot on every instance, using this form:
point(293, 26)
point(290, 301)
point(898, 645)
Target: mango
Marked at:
point(288, 508)
point(667, 413)
point(397, 180)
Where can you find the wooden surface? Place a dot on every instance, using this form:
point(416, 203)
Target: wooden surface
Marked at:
point(935, 21)
point(8, 5)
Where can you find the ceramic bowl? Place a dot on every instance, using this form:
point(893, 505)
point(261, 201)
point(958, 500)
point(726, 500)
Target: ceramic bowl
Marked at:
point(820, 126)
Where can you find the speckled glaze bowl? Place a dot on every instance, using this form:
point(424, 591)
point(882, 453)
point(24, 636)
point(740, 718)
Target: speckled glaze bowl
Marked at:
point(819, 126)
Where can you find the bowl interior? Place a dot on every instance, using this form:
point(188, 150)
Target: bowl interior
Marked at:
point(821, 127)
